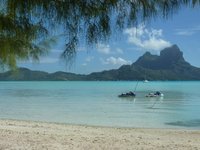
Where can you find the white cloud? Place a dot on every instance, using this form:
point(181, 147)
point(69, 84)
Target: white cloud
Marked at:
point(104, 48)
point(119, 50)
point(187, 32)
point(146, 39)
point(108, 50)
point(84, 64)
point(115, 61)
point(89, 59)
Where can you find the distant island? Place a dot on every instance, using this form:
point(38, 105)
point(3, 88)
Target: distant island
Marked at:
point(169, 65)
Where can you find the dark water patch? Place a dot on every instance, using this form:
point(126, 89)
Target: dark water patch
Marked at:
point(188, 123)
point(153, 108)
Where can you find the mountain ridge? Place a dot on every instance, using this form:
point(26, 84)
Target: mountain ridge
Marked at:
point(169, 65)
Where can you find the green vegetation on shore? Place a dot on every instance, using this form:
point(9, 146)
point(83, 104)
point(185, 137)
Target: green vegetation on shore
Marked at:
point(170, 65)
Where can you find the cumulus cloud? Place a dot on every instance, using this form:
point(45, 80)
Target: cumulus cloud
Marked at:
point(146, 39)
point(108, 50)
point(115, 61)
point(84, 64)
point(103, 48)
point(188, 32)
point(119, 50)
point(89, 59)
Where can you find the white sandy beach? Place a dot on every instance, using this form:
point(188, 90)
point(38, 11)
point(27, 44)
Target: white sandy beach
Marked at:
point(38, 135)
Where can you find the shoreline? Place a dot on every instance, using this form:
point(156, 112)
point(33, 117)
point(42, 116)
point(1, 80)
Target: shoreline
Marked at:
point(19, 134)
point(177, 128)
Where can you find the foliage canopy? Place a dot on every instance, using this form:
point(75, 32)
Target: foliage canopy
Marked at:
point(24, 24)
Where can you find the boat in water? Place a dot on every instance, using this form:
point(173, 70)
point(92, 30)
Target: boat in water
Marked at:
point(156, 94)
point(129, 94)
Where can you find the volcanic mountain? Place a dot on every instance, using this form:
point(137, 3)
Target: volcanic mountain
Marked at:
point(169, 65)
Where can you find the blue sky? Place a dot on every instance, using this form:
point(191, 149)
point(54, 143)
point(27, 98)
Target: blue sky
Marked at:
point(183, 29)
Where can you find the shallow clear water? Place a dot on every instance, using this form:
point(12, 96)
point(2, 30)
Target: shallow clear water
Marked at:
point(97, 103)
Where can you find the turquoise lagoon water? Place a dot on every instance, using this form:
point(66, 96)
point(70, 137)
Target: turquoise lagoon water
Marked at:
point(97, 103)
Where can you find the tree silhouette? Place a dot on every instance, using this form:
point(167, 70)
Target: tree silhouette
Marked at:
point(25, 24)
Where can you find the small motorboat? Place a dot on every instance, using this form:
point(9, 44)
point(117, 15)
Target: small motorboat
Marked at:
point(156, 94)
point(129, 94)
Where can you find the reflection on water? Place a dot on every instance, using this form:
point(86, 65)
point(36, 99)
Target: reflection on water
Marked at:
point(133, 99)
point(157, 101)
